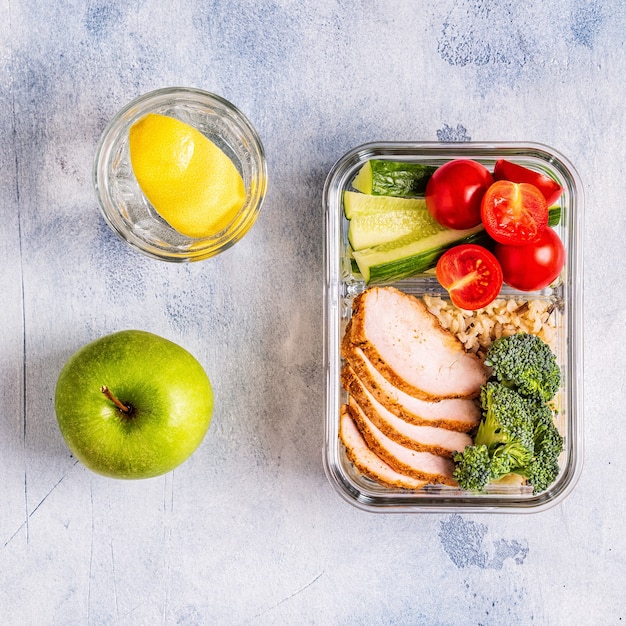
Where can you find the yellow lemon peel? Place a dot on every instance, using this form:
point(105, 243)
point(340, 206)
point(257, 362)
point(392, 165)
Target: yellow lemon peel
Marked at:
point(191, 183)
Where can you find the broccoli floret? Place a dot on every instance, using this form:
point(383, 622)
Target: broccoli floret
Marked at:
point(503, 459)
point(517, 433)
point(541, 472)
point(504, 440)
point(543, 467)
point(477, 466)
point(472, 468)
point(509, 458)
point(506, 419)
point(525, 362)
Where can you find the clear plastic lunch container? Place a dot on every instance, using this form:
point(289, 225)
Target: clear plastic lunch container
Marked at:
point(564, 299)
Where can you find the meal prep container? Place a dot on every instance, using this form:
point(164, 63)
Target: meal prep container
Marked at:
point(121, 201)
point(342, 285)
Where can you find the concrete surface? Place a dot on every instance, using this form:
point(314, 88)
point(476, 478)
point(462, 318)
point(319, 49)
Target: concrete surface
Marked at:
point(249, 531)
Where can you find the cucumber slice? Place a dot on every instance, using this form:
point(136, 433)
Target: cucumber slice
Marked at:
point(363, 180)
point(409, 256)
point(393, 178)
point(372, 229)
point(360, 203)
point(554, 215)
point(384, 251)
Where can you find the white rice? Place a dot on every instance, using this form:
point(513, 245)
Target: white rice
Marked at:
point(503, 317)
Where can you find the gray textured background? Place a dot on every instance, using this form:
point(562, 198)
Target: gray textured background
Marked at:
point(249, 531)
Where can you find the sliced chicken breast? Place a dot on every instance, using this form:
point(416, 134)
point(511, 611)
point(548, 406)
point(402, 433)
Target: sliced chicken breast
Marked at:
point(416, 437)
point(409, 347)
point(461, 414)
point(420, 465)
point(366, 461)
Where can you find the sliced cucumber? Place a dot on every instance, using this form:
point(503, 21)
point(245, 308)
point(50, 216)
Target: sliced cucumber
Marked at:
point(355, 203)
point(363, 180)
point(413, 255)
point(392, 178)
point(554, 215)
point(372, 229)
point(409, 256)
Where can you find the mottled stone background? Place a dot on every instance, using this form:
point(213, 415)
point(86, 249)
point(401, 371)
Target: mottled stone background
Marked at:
point(249, 531)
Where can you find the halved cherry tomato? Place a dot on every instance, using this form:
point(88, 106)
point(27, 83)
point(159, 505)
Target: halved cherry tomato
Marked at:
point(471, 274)
point(534, 266)
point(505, 170)
point(514, 213)
point(454, 192)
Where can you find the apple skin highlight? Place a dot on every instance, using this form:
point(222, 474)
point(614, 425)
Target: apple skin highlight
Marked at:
point(167, 392)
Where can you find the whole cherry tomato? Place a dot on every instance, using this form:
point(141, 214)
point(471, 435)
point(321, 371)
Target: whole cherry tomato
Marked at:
point(533, 266)
point(471, 274)
point(454, 192)
point(505, 170)
point(514, 213)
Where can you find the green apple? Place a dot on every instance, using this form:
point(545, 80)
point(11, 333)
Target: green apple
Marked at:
point(133, 404)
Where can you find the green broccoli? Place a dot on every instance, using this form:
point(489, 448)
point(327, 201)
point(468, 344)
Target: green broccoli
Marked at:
point(504, 440)
point(473, 468)
point(506, 419)
point(525, 362)
point(543, 467)
point(517, 433)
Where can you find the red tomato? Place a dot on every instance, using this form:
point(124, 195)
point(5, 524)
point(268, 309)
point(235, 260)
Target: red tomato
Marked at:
point(514, 213)
point(471, 274)
point(505, 170)
point(454, 192)
point(533, 266)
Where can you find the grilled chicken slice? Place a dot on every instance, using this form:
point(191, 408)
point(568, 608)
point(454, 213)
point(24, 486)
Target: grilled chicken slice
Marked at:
point(409, 347)
point(416, 437)
point(366, 461)
point(420, 465)
point(462, 414)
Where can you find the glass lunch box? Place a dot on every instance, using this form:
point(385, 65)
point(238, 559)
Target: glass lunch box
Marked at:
point(564, 298)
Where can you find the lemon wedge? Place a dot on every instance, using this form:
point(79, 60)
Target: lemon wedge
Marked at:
point(191, 183)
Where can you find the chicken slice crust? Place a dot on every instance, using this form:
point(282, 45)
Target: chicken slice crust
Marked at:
point(461, 414)
point(409, 347)
point(423, 438)
point(420, 465)
point(366, 461)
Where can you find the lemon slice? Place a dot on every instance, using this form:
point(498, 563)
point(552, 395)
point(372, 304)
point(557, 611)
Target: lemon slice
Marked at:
point(189, 181)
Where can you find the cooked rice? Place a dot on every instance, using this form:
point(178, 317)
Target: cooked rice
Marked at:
point(503, 317)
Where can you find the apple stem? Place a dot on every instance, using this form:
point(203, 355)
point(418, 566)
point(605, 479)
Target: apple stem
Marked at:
point(127, 410)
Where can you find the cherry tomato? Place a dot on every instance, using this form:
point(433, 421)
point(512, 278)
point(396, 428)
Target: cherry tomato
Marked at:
point(533, 266)
point(471, 274)
point(505, 170)
point(454, 192)
point(514, 213)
